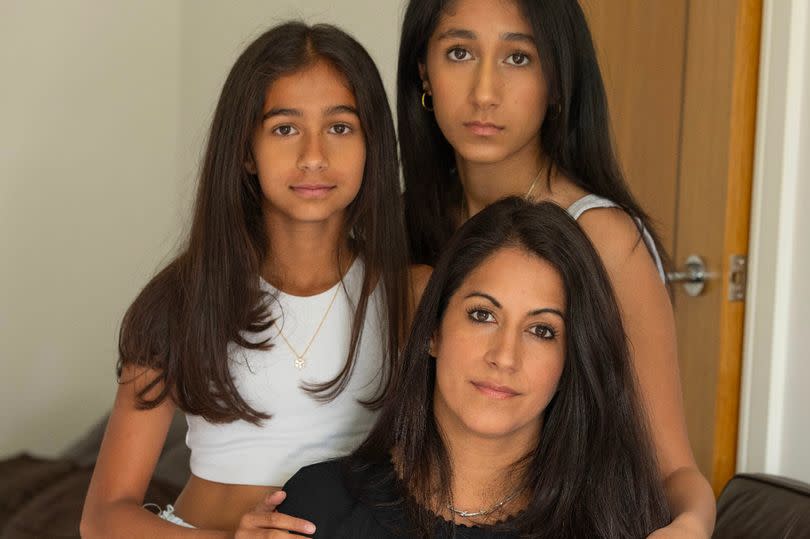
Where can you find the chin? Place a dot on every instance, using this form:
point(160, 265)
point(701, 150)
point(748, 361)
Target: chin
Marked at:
point(491, 427)
point(482, 152)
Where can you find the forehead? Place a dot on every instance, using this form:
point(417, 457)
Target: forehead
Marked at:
point(484, 16)
point(318, 85)
point(518, 279)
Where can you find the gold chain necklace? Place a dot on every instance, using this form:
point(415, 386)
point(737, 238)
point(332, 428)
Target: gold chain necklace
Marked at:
point(300, 362)
point(527, 196)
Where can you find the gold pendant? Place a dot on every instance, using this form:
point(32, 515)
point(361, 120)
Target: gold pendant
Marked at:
point(300, 363)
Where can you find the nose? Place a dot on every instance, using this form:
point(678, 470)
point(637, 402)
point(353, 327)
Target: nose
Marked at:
point(312, 156)
point(486, 85)
point(504, 350)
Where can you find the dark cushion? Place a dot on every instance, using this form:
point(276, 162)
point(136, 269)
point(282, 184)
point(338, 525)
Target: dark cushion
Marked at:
point(55, 511)
point(22, 477)
point(763, 506)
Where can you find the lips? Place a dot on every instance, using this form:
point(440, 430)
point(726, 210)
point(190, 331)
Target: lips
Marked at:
point(312, 190)
point(483, 129)
point(495, 391)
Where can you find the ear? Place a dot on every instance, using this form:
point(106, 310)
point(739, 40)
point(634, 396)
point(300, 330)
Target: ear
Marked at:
point(250, 164)
point(424, 76)
point(433, 345)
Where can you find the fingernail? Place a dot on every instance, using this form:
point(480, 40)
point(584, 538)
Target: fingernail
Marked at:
point(309, 528)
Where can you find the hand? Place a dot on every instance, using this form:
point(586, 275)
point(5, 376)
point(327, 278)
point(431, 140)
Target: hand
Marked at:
point(263, 521)
point(680, 528)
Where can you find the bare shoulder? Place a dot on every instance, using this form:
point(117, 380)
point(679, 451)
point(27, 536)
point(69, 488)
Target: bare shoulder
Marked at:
point(615, 235)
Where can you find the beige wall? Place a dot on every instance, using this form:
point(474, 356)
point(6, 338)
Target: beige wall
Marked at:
point(88, 197)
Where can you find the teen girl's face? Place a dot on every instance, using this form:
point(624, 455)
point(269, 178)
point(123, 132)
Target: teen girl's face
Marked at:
point(500, 348)
point(483, 71)
point(309, 151)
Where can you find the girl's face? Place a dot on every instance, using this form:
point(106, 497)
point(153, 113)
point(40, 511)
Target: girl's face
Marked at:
point(500, 348)
point(483, 71)
point(309, 151)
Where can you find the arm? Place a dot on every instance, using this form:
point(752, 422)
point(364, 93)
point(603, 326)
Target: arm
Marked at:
point(129, 452)
point(649, 322)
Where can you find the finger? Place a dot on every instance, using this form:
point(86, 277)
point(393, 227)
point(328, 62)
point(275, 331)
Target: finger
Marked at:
point(270, 502)
point(278, 521)
point(273, 500)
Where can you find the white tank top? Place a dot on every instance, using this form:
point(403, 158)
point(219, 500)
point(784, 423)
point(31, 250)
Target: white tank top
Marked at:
point(589, 202)
point(301, 431)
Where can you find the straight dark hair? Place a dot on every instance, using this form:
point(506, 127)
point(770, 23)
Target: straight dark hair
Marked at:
point(593, 472)
point(184, 319)
point(576, 138)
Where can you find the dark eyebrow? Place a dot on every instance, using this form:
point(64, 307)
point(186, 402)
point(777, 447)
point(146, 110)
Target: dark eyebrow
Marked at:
point(460, 33)
point(341, 109)
point(336, 109)
point(497, 304)
point(457, 33)
point(281, 112)
point(485, 296)
point(517, 36)
point(547, 310)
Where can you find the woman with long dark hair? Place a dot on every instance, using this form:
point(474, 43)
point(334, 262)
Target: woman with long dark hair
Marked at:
point(277, 328)
point(505, 97)
point(515, 414)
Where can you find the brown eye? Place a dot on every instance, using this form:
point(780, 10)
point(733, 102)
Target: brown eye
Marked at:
point(480, 315)
point(544, 332)
point(517, 59)
point(340, 129)
point(458, 54)
point(285, 130)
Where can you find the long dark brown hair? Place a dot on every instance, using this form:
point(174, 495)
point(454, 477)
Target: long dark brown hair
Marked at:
point(576, 138)
point(593, 472)
point(184, 319)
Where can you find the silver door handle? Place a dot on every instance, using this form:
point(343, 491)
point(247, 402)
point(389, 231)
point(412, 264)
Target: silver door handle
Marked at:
point(693, 276)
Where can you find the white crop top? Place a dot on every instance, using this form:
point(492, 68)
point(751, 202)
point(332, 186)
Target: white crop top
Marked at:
point(589, 202)
point(301, 431)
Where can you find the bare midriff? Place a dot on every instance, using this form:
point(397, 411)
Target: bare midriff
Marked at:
point(217, 506)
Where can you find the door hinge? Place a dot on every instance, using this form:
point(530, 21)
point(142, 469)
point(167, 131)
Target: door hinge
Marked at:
point(737, 275)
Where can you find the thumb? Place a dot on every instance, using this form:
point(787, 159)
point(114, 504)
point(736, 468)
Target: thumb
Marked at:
point(271, 501)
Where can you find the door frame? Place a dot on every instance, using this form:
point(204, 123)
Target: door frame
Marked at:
point(778, 167)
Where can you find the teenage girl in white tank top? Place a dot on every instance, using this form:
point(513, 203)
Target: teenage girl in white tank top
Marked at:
point(277, 329)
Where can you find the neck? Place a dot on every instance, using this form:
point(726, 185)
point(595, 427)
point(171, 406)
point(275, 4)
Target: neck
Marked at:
point(483, 472)
point(484, 183)
point(303, 257)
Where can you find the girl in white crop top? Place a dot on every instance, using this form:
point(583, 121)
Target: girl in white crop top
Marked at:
point(277, 329)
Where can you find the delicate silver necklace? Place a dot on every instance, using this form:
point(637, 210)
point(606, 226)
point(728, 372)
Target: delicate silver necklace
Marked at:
point(483, 512)
point(300, 362)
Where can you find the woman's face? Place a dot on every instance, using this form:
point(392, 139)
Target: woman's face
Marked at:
point(483, 71)
point(500, 348)
point(309, 151)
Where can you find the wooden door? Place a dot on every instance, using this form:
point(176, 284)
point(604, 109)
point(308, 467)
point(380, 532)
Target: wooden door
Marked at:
point(681, 78)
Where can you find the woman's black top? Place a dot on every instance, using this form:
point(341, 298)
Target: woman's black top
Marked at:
point(347, 501)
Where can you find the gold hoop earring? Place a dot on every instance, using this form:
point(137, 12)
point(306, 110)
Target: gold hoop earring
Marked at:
point(425, 95)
